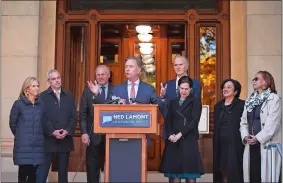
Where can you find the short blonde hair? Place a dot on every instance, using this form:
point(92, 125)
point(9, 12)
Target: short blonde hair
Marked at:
point(27, 83)
point(182, 58)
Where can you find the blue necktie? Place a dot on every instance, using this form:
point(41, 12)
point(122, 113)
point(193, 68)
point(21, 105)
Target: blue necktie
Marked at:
point(102, 95)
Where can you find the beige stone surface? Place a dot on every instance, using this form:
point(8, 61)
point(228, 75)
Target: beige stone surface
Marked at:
point(15, 70)
point(6, 105)
point(20, 35)
point(20, 8)
point(264, 34)
point(264, 7)
point(46, 49)
point(238, 36)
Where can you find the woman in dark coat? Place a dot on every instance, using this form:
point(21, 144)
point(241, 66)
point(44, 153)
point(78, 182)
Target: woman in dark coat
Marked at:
point(181, 158)
point(227, 144)
point(26, 120)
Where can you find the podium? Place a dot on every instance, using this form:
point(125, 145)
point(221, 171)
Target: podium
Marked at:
point(126, 127)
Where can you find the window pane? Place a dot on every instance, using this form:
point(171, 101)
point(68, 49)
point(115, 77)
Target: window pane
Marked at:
point(208, 65)
point(177, 49)
point(109, 53)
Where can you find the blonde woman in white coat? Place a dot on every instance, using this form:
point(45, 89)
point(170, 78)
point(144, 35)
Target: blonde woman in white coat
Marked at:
point(261, 125)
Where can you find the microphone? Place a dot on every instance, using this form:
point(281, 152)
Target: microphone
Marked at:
point(133, 100)
point(116, 101)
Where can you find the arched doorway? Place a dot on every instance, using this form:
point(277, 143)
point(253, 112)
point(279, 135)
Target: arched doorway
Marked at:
point(87, 37)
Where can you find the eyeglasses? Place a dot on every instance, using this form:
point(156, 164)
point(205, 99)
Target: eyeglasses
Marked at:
point(255, 79)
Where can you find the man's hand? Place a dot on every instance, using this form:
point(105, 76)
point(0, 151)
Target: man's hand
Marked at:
point(122, 101)
point(94, 88)
point(85, 139)
point(65, 133)
point(177, 137)
point(58, 134)
point(163, 90)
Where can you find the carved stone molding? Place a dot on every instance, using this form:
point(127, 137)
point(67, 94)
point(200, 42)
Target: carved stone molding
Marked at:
point(7, 145)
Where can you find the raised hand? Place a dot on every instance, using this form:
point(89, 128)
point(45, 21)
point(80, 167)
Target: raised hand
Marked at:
point(94, 88)
point(163, 90)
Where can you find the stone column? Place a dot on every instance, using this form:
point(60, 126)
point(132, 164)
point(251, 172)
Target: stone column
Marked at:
point(238, 34)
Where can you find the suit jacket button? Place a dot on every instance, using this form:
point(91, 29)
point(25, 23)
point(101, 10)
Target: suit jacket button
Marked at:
point(262, 124)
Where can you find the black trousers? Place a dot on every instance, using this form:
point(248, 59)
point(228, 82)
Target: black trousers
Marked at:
point(27, 174)
point(62, 160)
point(255, 163)
point(95, 158)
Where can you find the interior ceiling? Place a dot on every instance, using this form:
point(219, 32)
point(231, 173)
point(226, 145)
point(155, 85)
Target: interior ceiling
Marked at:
point(129, 30)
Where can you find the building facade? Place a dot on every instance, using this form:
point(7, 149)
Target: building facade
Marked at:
point(32, 33)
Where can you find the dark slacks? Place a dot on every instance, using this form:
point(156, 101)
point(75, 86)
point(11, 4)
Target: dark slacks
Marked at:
point(62, 160)
point(27, 174)
point(95, 158)
point(255, 164)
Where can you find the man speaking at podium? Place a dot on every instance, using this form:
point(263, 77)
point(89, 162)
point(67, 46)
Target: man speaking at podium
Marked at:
point(135, 91)
point(96, 93)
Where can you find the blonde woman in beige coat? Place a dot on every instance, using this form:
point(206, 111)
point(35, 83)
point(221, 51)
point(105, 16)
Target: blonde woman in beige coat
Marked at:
point(261, 125)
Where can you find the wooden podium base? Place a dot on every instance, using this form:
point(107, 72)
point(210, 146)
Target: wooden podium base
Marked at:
point(125, 159)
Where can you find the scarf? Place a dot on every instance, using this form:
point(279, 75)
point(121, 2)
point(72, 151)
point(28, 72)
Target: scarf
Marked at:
point(256, 99)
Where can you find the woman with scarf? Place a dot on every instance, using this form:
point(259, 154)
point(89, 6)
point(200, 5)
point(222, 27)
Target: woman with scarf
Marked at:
point(260, 125)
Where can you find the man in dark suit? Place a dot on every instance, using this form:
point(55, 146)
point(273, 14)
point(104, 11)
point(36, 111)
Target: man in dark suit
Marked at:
point(59, 129)
point(136, 91)
point(96, 93)
point(169, 92)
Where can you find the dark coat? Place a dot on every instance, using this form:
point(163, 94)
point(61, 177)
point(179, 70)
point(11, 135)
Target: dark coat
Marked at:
point(26, 124)
point(183, 156)
point(60, 116)
point(236, 147)
point(87, 113)
point(171, 94)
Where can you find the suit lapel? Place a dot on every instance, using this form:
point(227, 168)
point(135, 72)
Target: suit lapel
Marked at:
point(139, 91)
point(126, 92)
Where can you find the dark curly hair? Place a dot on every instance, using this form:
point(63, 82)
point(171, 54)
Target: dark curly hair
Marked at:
point(237, 86)
point(185, 79)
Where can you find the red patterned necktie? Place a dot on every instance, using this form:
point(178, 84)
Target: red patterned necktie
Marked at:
point(133, 92)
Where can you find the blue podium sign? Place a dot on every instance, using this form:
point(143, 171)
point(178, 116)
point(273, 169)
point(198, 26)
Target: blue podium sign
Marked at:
point(125, 119)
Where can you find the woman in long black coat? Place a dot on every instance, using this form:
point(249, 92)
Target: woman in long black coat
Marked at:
point(227, 144)
point(181, 158)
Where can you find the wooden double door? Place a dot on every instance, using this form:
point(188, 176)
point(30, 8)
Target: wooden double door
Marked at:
point(87, 39)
